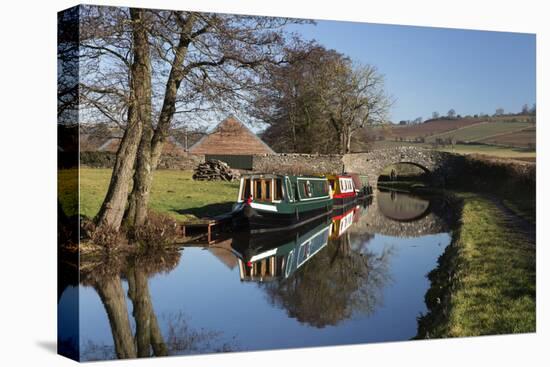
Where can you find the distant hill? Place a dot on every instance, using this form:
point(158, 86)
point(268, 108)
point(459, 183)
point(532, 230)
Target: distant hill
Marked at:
point(512, 130)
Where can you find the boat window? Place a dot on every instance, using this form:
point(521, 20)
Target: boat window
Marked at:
point(290, 189)
point(307, 189)
point(262, 190)
point(258, 193)
point(268, 189)
point(246, 189)
point(278, 189)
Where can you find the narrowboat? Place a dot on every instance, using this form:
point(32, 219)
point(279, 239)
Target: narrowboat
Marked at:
point(270, 202)
point(342, 190)
point(265, 258)
point(361, 184)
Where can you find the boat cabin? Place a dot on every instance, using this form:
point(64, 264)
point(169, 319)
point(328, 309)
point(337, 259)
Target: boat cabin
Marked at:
point(278, 188)
point(341, 186)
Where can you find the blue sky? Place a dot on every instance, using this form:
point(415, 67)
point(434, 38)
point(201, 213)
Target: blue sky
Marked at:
point(436, 69)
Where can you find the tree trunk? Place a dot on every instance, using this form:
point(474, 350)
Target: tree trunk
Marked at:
point(112, 210)
point(152, 142)
point(112, 296)
point(143, 179)
point(348, 142)
point(148, 333)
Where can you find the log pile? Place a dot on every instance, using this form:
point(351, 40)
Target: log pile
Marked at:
point(214, 170)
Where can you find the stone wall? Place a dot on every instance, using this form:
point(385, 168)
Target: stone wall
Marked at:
point(187, 162)
point(442, 166)
point(297, 163)
point(107, 160)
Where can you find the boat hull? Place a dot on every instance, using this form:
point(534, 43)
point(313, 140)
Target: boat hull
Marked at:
point(344, 201)
point(258, 221)
point(249, 243)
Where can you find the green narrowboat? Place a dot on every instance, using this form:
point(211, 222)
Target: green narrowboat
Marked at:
point(270, 202)
point(263, 257)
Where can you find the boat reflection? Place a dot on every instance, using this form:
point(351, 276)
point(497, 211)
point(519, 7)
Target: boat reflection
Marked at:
point(314, 273)
point(265, 257)
point(344, 218)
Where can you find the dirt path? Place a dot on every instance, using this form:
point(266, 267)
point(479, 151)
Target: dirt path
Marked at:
point(520, 225)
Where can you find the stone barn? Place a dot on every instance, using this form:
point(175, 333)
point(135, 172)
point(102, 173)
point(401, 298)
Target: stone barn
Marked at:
point(232, 142)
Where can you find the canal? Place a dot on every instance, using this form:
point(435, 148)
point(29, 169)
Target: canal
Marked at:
point(357, 276)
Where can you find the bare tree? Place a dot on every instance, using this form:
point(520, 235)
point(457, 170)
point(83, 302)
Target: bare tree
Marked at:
point(354, 97)
point(499, 111)
point(139, 108)
point(435, 115)
point(319, 98)
point(217, 57)
point(451, 114)
point(148, 69)
point(289, 101)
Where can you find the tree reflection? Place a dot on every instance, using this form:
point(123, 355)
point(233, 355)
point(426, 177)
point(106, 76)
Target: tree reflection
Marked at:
point(106, 277)
point(334, 285)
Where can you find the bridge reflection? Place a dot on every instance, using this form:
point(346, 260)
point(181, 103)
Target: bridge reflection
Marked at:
point(402, 207)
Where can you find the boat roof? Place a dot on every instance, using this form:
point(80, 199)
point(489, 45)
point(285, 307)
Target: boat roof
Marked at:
point(275, 175)
point(345, 175)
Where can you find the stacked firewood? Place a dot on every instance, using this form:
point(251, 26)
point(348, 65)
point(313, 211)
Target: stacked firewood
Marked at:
point(214, 170)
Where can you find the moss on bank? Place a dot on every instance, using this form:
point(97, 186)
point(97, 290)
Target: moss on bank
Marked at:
point(485, 282)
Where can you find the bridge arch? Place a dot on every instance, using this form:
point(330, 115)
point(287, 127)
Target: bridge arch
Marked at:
point(404, 170)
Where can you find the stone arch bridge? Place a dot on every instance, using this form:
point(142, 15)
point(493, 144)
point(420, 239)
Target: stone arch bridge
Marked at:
point(441, 165)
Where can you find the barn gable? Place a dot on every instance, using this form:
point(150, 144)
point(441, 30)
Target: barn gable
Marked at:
point(231, 137)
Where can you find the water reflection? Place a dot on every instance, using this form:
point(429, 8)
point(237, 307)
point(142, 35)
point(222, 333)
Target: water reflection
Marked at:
point(141, 337)
point(353, 277)
point(265, 257)
point(401, 206)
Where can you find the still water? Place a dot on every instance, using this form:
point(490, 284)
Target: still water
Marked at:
point(358, 276)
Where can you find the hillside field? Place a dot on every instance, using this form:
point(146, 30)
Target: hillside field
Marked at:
point(481, 131)
point(511, 136)
point(524, 138)
point(422, 130)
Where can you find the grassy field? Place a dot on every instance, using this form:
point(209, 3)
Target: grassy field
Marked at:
point(524, 138)
point(174, 193)
point(490, 150)
point(485, 282)
point(424, 129)
point(481, 131)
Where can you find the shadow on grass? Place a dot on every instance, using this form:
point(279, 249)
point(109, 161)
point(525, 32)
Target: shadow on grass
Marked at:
point(208, 211)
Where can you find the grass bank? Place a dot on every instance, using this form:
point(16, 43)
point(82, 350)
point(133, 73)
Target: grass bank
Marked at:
point(485, 280)
point(174, 193)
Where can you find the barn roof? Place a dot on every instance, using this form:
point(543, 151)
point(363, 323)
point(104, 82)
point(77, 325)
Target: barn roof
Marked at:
point(231, 136)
